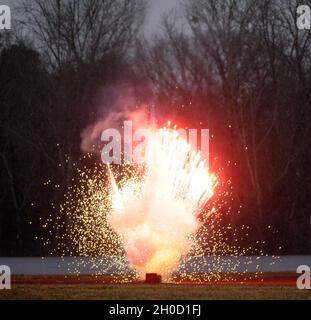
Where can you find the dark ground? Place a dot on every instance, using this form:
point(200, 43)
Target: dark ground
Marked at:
point(281, 286)
point(154, 292)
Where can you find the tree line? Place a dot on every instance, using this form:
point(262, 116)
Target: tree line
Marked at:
point(238, 68)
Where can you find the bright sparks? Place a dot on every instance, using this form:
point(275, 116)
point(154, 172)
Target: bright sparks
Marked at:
point(160, 216)
point(156, 213)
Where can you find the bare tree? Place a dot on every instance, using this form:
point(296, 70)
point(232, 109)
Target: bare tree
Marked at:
point(250, 59)
point(80, 42)
point(72, 31)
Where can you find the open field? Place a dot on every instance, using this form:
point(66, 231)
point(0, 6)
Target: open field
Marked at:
point(271, 286)
point(111, 265)
point(157, 292)
point(35, 278)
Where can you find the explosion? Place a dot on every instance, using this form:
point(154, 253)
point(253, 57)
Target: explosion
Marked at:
point(156, 213)
point(165, 214)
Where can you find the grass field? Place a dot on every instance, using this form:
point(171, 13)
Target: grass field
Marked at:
point(158, 292)
point(279, 286)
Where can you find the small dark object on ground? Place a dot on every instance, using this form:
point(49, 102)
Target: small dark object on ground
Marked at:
point(153, 278)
